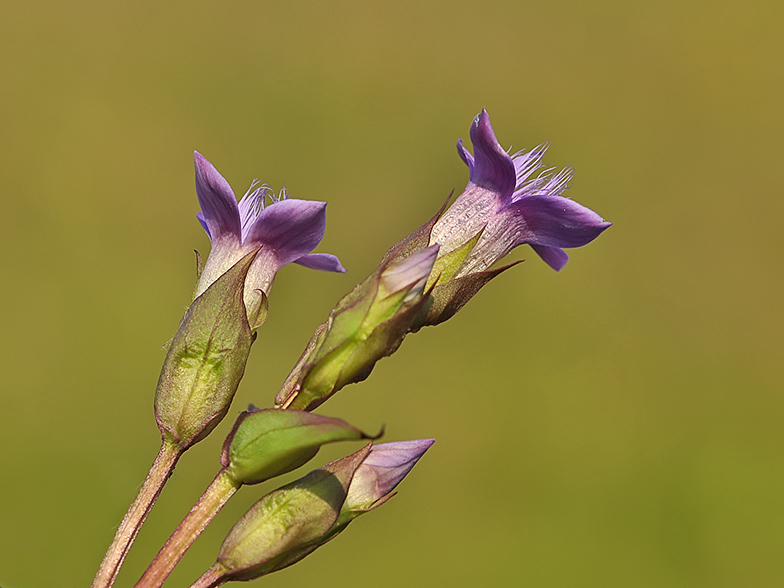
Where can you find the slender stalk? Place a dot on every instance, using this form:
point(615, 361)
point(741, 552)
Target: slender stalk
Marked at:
point(212, 578)
point(215, 496)
point(150, 489)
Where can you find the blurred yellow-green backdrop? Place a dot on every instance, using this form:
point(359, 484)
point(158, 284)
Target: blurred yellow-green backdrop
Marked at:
point(617, 424)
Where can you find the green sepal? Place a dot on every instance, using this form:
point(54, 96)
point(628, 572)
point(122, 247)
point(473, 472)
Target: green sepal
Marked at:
point(261, 311)
point(199, 265)
point(448, 265)
point(296, 555)
point(291, 386)
point(281, 527)
point(267, 443)
point(447, 298)
point(206, 360)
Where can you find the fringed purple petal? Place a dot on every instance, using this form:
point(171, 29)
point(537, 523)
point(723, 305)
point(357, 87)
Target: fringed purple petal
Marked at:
point(218, 204)
point(251, 204)
point(290, 229)
point(525, 165)
point(321, 261)
point(493, 168)
point(555, 221)
point(465, 156)
point(555, 257)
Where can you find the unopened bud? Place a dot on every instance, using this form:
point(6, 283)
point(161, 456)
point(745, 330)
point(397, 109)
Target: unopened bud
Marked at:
point(286, 521)
point(372, 484)
point(267, 443)
point(367, 324)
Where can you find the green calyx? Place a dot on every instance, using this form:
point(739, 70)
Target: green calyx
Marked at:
point(206, 360)
point(288, 523)
point(367, 324)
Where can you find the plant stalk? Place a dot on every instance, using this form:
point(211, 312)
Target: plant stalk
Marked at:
point(161, 469)
point(212, 578)
point(215, 496)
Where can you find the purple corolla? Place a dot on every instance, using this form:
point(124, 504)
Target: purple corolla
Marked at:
point(512, 206)
point(284, 231)
point(381, 471)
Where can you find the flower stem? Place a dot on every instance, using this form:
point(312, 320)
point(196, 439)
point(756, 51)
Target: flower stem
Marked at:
point(210, 503)
point(151, 488)
point(212, 578)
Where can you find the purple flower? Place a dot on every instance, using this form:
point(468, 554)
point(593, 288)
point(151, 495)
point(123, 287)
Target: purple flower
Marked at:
point(285, 229)
point(380, 473)
point(512, 204)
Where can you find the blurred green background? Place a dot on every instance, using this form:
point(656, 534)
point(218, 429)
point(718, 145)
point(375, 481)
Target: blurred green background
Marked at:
point(617, 424)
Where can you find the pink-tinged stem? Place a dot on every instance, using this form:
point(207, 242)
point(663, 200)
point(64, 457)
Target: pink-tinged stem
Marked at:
point(202, 513)
point(151, 488)
point(212, 578)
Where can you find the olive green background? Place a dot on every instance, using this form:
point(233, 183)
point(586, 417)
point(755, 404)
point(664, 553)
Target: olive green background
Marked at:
point(617, 424)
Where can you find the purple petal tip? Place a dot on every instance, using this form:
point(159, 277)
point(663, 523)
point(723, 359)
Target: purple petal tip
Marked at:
point(217, 200)
point(322, 261)
point(493, 167)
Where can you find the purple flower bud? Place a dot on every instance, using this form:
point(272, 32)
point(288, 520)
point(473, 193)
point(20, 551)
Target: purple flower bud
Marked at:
point(380, 473)
point(285, 229)
point(290, 523)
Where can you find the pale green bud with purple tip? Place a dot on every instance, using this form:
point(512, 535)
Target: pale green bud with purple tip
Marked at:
point(206, 360)
point(276, 530)
point(367, 324)
point(283, 230)
point(287, 525)
point(373, 484)
point(271, 442)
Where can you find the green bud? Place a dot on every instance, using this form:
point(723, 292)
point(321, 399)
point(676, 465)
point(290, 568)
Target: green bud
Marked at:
point(288, 523)
point(206, 360)
point(367, 324)
point(268, 443)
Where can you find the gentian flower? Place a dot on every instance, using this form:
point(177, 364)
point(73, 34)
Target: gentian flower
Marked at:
point(511, 206)
point(284, 231)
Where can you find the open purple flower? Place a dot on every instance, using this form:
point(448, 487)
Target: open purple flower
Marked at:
point(284, 230)
point(511, 206)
